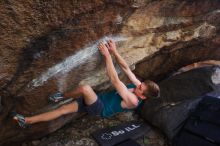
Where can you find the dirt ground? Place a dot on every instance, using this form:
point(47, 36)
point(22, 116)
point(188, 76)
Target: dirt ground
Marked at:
point(78, 133)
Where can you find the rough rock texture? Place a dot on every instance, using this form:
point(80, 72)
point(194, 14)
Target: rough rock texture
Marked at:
point(179, 96)
point(78, 132)
point(47, 46)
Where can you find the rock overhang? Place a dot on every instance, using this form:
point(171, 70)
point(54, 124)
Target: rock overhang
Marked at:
point(159, 37)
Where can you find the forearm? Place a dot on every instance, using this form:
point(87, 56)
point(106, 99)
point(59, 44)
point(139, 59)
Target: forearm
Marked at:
point(122, 63)
point(111, 71)
point(124, 66)
point(119, 86)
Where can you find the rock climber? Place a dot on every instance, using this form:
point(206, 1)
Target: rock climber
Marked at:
point(123, 98)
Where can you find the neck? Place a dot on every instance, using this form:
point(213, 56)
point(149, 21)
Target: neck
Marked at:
point(137, 96)
point(132, 90)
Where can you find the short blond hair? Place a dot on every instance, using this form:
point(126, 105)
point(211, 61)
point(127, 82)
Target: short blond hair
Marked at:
point(153, 90)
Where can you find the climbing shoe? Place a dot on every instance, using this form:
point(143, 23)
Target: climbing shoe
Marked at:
point(56, 97)
point(21, 120)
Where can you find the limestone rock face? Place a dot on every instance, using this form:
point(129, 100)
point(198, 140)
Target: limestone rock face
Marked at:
point(47, 46)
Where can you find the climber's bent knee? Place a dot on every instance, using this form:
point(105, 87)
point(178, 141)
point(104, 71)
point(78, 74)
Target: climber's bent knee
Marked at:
point(69, 108)
point(89, 94)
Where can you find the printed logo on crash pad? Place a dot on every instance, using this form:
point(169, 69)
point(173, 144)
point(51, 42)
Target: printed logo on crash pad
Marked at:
point(110, 135)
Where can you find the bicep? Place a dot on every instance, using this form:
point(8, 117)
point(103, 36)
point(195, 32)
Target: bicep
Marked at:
point(132, 77)
point(123, 91)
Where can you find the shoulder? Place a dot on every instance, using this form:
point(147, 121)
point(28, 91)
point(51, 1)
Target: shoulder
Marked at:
point(131, 85)
point(133, 100)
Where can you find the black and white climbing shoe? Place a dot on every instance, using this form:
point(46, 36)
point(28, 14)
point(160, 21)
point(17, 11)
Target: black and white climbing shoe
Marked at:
point(56, 97)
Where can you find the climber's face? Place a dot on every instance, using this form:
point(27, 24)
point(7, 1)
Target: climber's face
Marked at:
point(140, 90)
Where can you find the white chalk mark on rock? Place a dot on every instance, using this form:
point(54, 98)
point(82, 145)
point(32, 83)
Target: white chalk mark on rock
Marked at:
point(72, 61)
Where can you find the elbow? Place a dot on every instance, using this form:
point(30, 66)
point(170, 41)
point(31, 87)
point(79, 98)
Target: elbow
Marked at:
point(135, 103)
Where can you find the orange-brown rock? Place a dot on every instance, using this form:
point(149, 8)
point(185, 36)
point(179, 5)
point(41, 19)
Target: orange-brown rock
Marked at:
point(47, 46)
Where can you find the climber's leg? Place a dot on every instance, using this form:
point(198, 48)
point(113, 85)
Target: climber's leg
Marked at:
point(89, 97)
point(84, 91)
point(51, 115)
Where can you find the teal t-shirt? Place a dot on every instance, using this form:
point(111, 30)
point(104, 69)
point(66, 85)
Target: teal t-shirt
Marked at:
point(112, 102)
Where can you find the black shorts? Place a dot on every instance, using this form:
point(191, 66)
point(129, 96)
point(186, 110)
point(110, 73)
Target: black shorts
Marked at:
point(94, 109)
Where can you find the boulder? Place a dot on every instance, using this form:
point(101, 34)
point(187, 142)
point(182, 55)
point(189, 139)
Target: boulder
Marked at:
point(46, 46)
point(179, 96)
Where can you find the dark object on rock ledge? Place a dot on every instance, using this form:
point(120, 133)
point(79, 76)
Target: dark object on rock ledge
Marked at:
point(203, 125)
point(179, 95)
